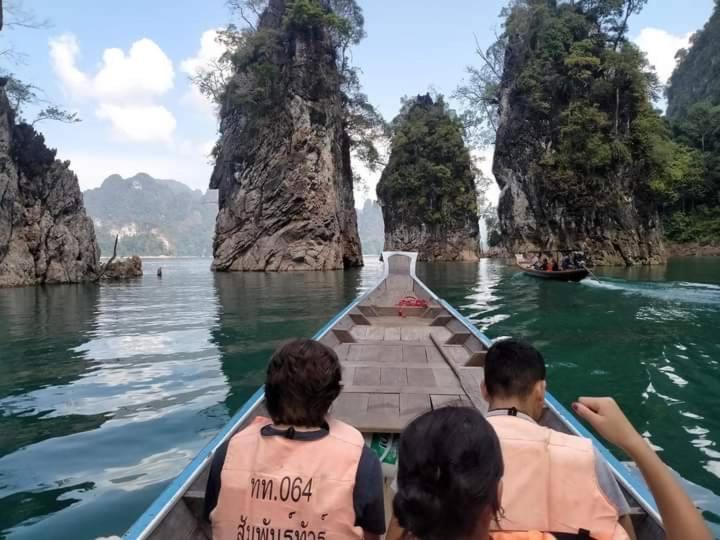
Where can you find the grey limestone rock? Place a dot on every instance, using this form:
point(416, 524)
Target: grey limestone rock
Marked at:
point(45, 234)
point(283, 176)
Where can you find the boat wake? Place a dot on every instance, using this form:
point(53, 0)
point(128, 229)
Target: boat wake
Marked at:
point(669, 291)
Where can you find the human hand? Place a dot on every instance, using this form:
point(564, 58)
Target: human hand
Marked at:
point(606, 417)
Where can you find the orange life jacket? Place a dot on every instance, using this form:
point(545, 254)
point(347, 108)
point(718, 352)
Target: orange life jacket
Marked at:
point(521, 535)
point(550, 482)
point(272, 486)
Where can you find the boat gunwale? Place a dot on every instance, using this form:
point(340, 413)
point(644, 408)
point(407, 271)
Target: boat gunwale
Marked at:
point(147, 522)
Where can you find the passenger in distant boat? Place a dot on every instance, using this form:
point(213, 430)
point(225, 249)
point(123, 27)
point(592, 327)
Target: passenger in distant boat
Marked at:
point(453, 478)
point(541, 463)
point(302, 470)
point(555, 266)
point(535, 262)
point(566, 263)
point(546, 264)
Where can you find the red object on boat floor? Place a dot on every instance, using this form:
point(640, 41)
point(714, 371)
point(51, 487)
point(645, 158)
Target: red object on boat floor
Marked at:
point(411, 301)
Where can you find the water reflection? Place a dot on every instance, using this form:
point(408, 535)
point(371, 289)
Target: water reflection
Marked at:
point(140, 383)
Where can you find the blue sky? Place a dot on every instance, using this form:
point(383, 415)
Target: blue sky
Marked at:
point(139, 110)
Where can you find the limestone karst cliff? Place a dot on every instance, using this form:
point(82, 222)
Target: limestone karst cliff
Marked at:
point(427, 191)
point(45, 235)
point(283, 159)
point(577, 137)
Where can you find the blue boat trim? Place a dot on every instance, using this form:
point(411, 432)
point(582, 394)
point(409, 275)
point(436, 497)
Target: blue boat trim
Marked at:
point(146, 523)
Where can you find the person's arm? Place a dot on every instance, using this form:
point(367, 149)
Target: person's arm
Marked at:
point(212, 490)
point(681, 519)
point(368, 496)
point(395, 531)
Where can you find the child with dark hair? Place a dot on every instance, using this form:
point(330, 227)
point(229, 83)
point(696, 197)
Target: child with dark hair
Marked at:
point(450, 478)
point(300, 470)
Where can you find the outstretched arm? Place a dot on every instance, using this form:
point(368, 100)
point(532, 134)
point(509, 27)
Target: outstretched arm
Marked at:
point(680, 517)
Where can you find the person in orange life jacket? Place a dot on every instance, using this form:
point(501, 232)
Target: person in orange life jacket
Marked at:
point(449, 480)
point(514, 387)
point(450, 474)
point(301, 470)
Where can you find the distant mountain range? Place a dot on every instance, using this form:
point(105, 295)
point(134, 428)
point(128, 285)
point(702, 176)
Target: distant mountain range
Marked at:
point(152, 216)
point(165, 217)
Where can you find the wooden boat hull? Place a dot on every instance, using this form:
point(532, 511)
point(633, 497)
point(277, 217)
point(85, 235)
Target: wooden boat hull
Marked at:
point(562, 275)
point(397, 363)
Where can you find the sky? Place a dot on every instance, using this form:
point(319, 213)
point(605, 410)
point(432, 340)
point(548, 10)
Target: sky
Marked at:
point(125, 68)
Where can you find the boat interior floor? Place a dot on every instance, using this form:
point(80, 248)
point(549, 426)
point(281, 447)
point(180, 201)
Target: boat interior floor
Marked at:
point(399, 362)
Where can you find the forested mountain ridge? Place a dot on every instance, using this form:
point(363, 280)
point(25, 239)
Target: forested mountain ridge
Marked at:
point(697, 75)
point(427, 190)
point(151, 216)
point(691, 202)
point(580, 151)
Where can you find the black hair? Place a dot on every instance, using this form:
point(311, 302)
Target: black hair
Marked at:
point(449, 469)
point(512, 368)
point(303, 380)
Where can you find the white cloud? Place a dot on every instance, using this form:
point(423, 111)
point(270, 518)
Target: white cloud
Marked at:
point(205, 60)
point(661, 47)
point(139, 123)
point(124, 89)
point(210, 51)
point(145, 72)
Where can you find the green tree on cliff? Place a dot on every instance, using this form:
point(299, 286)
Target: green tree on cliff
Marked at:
point(255, 55)
point(430, 177)
point(585, 90)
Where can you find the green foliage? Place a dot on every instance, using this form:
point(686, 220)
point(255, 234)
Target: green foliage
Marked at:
point(584, 92)
point(701, 225)
point(697, 76)
point(692, 207)
point(306, 16)
point(29, 151)
point(254, 75)
point(430, 178)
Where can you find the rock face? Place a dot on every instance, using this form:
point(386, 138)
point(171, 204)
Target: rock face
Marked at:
point(615, 223)
point(283, 172)
point(427, 191)
point(127, 268)
point(45, 235)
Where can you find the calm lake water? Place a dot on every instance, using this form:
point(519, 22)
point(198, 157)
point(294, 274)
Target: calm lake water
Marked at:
point(106, 393)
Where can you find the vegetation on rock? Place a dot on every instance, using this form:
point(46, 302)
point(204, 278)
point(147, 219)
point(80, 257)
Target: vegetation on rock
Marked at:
point(430, 177)
point(257, 57)
point(427, 190)
point(569, 99)
point(691, 201)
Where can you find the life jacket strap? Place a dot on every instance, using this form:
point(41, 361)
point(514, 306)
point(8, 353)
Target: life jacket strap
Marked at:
point(582, 534)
